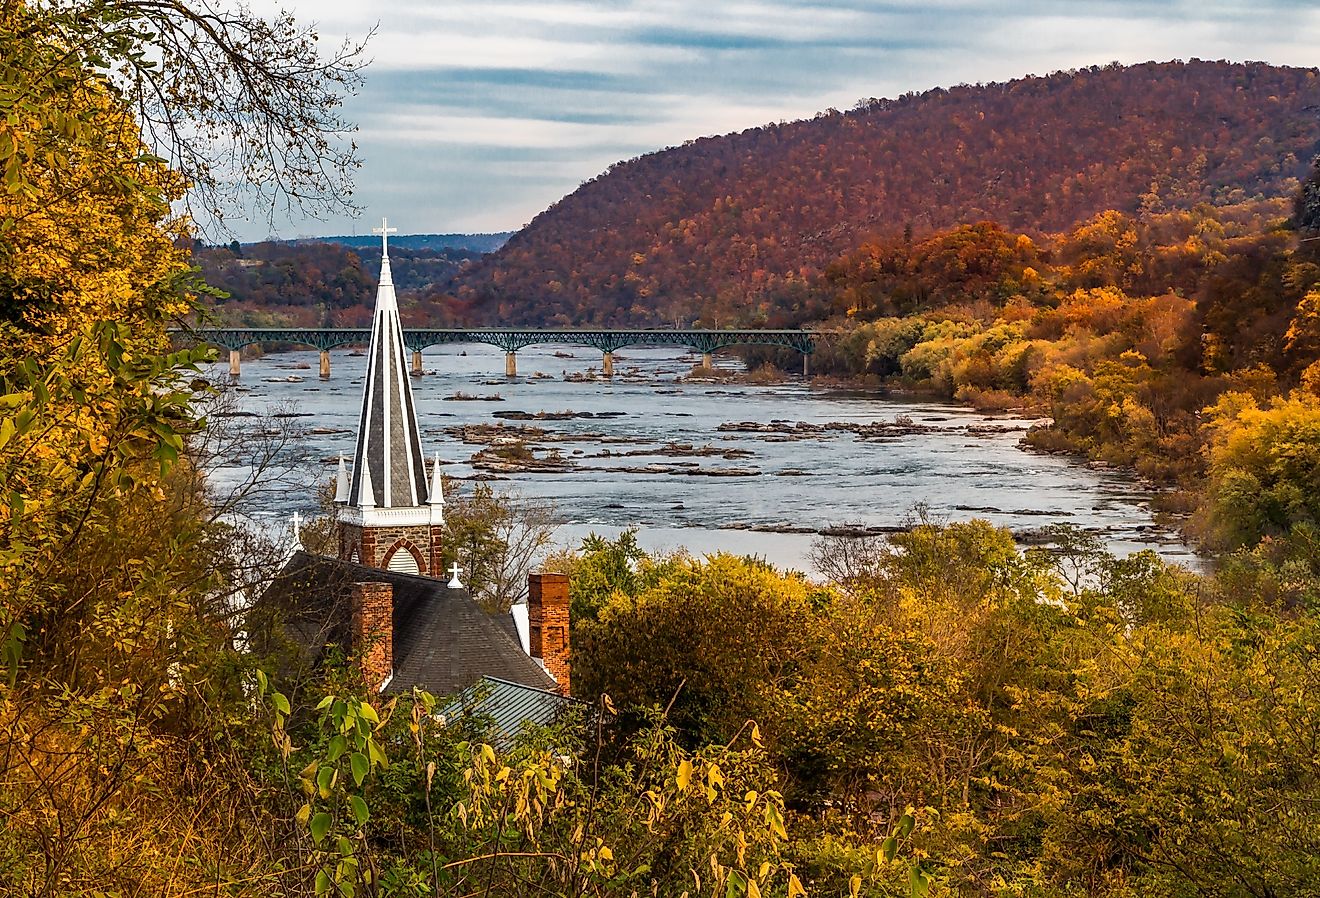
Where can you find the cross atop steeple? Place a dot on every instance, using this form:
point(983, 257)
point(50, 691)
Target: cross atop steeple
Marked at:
point(385, 231)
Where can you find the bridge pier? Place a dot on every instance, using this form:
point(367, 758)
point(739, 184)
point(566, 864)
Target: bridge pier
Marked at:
point(606, 341)
point(806, 365)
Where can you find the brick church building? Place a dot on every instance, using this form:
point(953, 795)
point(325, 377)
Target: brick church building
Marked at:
point(382, 598)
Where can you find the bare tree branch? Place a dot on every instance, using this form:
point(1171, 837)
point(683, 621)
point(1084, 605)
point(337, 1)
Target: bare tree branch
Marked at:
point(247, 108)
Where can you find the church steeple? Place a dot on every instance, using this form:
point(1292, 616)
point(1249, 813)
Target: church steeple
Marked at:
point(389, 447)
point(389, 516)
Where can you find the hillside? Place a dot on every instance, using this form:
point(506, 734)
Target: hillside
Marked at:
point(322, 283)
point(736, 227)
point(472, 243)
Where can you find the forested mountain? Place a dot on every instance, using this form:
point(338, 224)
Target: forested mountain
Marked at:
point(735, 227)
point(473, 243)
point(314, 283)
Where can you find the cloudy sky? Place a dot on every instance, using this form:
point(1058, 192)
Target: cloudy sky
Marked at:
point(477, 114)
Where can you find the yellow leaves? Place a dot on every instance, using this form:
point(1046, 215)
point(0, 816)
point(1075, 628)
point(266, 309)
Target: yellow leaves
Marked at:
point(774, 819)
point(1304, 331)
point(684, 776)
point(795, 886)
point(655, 807)
point(91, 234)
point(1263, 463)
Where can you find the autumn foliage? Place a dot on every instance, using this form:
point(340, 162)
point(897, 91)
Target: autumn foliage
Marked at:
point(314, 284)
point(732, 228)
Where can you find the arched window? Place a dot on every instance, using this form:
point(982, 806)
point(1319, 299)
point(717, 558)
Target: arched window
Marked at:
point(402, 560)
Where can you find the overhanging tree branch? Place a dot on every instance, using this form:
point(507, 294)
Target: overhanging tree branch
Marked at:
point(247, 108)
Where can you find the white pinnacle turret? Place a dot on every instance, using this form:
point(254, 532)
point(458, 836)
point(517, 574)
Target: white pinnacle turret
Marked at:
point(436, 499)
point(341, 482)
point(437, 485)
point(366, 495)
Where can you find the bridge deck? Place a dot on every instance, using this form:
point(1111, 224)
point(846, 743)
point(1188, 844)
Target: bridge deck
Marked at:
point(509, 339)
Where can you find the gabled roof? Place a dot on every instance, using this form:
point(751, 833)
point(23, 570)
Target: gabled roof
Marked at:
point(389, 470)
point(443, 641)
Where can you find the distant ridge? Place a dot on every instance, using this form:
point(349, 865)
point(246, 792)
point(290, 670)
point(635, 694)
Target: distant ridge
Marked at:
point(477, 243)
point(733, 228)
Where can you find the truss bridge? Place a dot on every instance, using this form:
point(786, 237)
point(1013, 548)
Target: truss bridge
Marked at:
point(707, 342)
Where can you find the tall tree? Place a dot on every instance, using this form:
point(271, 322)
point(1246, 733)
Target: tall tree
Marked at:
point(113, 635)
point(1307, 212)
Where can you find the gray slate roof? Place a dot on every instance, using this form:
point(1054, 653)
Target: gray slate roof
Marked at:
point(444, 642)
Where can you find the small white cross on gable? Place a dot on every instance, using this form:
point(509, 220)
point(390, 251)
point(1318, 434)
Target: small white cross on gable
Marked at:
point(385, 231)
point(454, 569)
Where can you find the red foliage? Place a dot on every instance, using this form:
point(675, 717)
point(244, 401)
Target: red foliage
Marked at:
point(730, 228)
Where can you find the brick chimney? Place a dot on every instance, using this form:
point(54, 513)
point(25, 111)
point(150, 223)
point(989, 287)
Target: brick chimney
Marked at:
point(547, 624)
point(373, 631)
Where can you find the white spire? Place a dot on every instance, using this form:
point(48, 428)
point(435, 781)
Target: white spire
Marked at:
point(389, 448)
point(341, 482)
point(437, 496)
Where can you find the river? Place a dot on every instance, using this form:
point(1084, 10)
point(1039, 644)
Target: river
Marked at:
point(748, 469)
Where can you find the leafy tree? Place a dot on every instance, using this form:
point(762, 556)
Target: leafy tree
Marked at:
point(119, 678)
point(497, 538)
point(1307, 210)
point(1264, 463)
point(389, 801)
point(1304, 333)
point(714, 641)
point(603, 568)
